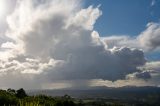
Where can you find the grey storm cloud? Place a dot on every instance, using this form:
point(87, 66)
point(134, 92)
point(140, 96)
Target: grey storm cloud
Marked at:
point(140, 75)
point(53, 41)
point(144, 75)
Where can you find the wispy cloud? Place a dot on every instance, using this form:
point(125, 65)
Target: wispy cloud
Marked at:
point(153, 2)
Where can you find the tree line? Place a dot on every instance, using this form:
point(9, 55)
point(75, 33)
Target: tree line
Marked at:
point(19, 97)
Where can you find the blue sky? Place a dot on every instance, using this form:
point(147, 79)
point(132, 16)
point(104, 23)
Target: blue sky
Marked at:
point(125, 17)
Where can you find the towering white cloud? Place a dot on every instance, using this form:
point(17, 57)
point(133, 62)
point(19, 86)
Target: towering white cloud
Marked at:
point(55, 40)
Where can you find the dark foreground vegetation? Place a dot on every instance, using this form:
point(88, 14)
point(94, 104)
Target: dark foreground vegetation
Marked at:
point(112, 97)
point(19, 97)
point(12, 97)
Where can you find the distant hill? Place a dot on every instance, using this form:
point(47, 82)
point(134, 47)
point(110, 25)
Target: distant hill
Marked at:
point(126, 92)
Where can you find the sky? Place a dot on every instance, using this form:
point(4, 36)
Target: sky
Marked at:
point(79, 44)
point(125, 17)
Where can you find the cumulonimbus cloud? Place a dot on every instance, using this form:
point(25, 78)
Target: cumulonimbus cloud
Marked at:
point(55, 40)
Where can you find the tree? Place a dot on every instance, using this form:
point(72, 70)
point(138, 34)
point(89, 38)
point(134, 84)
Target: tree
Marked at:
point(21, 93)
point(11, 91)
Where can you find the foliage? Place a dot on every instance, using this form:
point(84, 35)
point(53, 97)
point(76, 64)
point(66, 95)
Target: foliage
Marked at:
point(21, 93)
point(19, 97)
point(7, 98)
point(11, 97)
